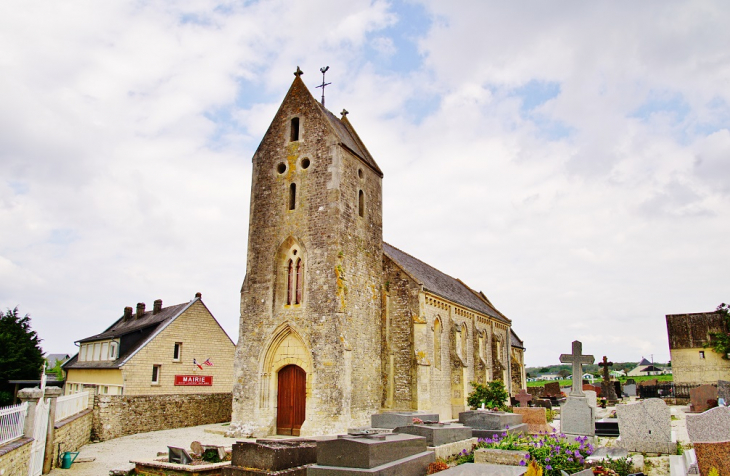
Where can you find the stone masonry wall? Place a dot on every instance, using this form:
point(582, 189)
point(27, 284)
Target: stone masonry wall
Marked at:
point(15, 456)
point(72, 433)
point(120, 415)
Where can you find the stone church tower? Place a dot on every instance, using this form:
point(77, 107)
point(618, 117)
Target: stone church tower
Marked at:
point(308, 359)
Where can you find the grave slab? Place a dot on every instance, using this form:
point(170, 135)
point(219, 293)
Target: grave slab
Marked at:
point(489, 420)
point(703, 398)
point(472, 469)
point(646, 427)
point(723, 391)
point(497, 456)
point(368, 452)
point(577, 417)
point(273, 455)
point(415, 465)
point(437, 434)
point(713, 455)
point(451, 449)
point(535, 418)
point(395, 419)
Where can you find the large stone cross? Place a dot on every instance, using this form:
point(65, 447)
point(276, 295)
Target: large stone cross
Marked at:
point(605, 364)
point(577, 359)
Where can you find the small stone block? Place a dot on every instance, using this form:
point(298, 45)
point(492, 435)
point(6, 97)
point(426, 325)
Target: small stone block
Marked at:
point(439, 434)
point(501, 457)
point(473, 469)
point(414, 465)
point(535, 418)
point(395, 419)
point(512, 430)
point(273, 455)
point(489, 420)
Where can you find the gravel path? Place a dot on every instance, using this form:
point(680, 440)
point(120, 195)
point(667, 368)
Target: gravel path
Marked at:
point(116, 453)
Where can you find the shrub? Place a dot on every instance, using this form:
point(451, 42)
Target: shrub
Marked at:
point(620, 466)
point(493, 395)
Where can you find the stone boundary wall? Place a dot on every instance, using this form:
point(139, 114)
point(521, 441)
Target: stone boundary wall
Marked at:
point(73, 433)
point(15, 457)
point(121, 415)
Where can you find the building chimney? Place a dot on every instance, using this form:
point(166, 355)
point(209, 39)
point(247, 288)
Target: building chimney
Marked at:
point(157, 307)
point(127, 314)
point(199, 295)
point(140, 310)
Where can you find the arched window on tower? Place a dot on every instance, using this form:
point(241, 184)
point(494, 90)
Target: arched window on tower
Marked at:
point(292, 196)
point(294, 136)
point(300, 281)
point(361, 204)
point(289, 282)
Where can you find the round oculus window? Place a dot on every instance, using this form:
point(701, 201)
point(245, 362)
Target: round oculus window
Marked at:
point(305, 163)
point(281, 168)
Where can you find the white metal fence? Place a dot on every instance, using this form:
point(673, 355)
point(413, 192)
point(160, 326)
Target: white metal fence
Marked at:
point(12, 419)
point(71, 405)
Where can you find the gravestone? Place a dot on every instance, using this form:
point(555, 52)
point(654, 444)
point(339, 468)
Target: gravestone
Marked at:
point(383, 454)
point(524, 398)
point(543, 402)
point(395, 419)
point(552, 389)
point(618, 389)
point(607, 427)
point(608, 390)
point(646, 427)
point(709, 433)
point(535, 418)
point(576, 414)
point(487, 424)
point(271, 457)
point(723, 391)
point(599, 390)
point(630, 389)
point(631, 381)
point(649, 383)
point(703, 398)
point(437, 434)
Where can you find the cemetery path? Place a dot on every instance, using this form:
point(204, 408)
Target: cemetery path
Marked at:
point(116, 453)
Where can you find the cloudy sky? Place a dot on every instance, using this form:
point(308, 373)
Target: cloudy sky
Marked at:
point(569, 159)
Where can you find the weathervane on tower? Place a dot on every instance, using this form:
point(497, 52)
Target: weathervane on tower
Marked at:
point(323, 70)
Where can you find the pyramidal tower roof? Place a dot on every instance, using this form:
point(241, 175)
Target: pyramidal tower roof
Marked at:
point(341, 127)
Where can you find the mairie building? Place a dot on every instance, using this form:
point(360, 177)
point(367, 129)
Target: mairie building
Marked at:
point(336, 324)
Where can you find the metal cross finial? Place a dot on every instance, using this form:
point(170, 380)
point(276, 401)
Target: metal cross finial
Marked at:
point(605, 364)
point(298, 72)
point(344, 112)
point(323, 70)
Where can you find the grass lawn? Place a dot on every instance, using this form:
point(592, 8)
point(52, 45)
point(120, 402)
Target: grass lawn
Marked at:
point(568, 383)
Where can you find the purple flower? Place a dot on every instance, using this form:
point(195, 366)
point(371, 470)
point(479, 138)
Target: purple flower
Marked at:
point(506, 427)
point(568, 452)
point(527, 456)
point(577, 453)
point(522, 463)
point(547, 460)
point(570, 459)
point(548, 467)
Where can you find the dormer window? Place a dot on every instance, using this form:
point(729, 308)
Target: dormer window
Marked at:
point(294, 130)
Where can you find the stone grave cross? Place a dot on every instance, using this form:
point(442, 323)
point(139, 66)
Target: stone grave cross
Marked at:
point(577, 359)
point(524, 398)
point(605, 364)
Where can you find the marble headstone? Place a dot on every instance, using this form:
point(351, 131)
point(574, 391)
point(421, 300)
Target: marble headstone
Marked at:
point(712, 426)
point(703, 398)
point(646, 427)
point(577, 417)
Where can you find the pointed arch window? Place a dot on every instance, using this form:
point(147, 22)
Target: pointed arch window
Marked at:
point(289, 282)
point(300, 281)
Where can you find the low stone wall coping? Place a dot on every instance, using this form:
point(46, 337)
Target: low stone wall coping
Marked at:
point(72, 418)
point(14, 445)
point(193, 468)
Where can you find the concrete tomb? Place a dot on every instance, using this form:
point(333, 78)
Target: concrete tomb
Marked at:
point(703, 398)
point(710, 436)
point(535, 418)
point(395, 419)
point(646, 427)
point(437, 434)
point(487, 424)
point(379, 455)
point(271, 457)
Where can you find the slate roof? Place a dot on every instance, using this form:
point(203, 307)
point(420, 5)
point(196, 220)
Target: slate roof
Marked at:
point(515, 341)
point(145, 326)
point(349, 138)
point(644, 362)
point(53, 358)
point(441, 284)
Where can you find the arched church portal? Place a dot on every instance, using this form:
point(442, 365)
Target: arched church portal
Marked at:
point(291, 400)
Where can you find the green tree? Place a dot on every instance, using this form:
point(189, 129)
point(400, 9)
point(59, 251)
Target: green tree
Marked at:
point(493, 395)
point(21, 357)
point(720, 341)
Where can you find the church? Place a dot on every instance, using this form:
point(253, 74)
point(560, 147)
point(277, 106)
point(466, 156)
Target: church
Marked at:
point(335, 323)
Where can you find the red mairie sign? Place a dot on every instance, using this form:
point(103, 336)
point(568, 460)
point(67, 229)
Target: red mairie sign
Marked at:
point(199, 380)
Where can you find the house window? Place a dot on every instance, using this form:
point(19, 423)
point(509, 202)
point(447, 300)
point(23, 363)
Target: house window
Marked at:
point(113, 346)
point(82, 353)
point(294, 136)
point(104, 351)
point(361, 204)
point(292, 196)
point(702, 354)
point(155, 374)
point(177, 351)
point(97, 351)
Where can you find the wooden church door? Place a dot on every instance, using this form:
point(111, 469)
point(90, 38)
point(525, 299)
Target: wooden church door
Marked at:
point(291, 400)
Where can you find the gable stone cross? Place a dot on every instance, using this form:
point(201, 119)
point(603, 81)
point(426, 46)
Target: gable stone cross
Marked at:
point(605, 364)
point(577, 359)
point(524, 398)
